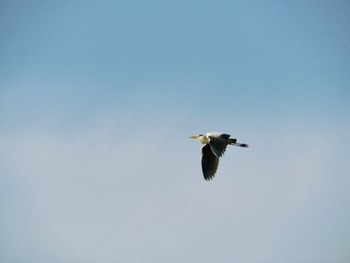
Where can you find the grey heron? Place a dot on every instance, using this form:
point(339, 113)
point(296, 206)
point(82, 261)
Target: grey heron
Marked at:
point(214, 148)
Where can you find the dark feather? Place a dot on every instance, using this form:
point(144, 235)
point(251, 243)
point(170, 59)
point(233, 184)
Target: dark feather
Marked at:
point(219, 144)
point(210, 162)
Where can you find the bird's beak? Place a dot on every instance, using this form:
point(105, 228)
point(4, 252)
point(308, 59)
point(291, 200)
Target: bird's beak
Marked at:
point(194, 137)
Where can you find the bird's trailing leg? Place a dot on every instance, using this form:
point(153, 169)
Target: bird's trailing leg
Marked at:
point(233, 141)
point(240, 144)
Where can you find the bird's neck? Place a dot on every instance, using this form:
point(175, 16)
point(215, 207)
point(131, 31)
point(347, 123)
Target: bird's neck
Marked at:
point(204, 139)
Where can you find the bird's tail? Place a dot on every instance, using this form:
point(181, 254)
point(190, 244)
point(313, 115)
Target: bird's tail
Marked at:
point(234, 142)
point(231, 141)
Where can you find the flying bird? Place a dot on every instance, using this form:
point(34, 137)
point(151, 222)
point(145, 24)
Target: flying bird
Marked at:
point(214, 148)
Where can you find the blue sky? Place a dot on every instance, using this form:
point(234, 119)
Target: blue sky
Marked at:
point(98, 99)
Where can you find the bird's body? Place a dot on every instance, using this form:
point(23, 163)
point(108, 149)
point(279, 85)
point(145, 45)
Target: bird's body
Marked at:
point(214, 148)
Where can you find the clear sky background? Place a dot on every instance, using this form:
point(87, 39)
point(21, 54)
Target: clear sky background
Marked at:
point(98, 99)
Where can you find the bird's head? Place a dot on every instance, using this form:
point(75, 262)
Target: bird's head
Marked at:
point(201, 138)
point(196, 136)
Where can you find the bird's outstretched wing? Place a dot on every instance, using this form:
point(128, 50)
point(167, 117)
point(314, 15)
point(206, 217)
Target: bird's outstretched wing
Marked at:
point(210, 162)
point(218, 144)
